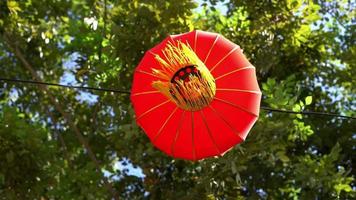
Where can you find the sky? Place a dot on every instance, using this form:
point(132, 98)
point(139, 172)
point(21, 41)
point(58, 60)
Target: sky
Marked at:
point(219, 6)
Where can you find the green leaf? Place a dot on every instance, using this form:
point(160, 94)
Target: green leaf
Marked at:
point(271, 82)
point(343, 187)
point(297, 108)
point(282, 156)
point(105, 42)
point(301, 104)
point(308, 100)
point(265, 87)
point(13, 6)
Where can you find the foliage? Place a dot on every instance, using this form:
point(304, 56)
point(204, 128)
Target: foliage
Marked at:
point(304, 52)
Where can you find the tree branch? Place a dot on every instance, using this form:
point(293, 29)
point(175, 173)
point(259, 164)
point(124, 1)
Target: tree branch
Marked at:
point(60, 137)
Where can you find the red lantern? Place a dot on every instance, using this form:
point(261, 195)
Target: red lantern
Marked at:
point(195, 95)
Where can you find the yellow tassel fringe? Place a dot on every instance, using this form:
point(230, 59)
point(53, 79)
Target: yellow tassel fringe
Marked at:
point(192, 95)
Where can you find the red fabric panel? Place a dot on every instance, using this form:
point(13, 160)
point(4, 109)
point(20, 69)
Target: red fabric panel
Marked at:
point(204, 42)
point(219, 51)
point(143, 83)
point(240, 120)
point(223, 135)
point(235, 60)
point(248, 101)
point(204, 146)
point(244, 80)
point(143, 103)
point(183, 147)
point(165, 139)
point(153, 121)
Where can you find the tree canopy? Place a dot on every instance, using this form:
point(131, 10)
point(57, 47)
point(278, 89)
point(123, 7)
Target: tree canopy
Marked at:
point(58, 143)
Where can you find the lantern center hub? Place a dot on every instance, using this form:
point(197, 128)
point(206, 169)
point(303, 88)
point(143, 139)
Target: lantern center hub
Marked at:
point(192, 89)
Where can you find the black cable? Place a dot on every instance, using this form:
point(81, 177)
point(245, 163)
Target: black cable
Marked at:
point(61, 85)
point(307, 112)
point(127, 92)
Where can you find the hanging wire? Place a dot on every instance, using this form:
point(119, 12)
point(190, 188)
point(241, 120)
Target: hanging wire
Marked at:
point(306, 112)
point(61, 85)
point(127, 92)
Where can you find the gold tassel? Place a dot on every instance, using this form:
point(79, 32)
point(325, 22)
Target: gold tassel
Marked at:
point(192, 94)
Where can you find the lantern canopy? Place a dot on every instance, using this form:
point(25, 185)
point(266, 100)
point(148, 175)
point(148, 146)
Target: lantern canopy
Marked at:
point(195, 95)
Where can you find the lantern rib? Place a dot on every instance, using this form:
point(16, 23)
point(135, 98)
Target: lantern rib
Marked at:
point(177, 133)
point(195, 40)
point(148, 73)
point(211, 48)
point(222, 59)
point(152, 109)
point(171, 39)
point(193, 144)
point(239, 107)
point(209, 132)
point(238, 90)
point(151, 52)
point(234, 71)
point(226, 122)
point(164, 124)
point(143, 93)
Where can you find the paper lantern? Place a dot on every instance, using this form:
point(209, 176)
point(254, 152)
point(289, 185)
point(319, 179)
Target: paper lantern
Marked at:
point(195, 95)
